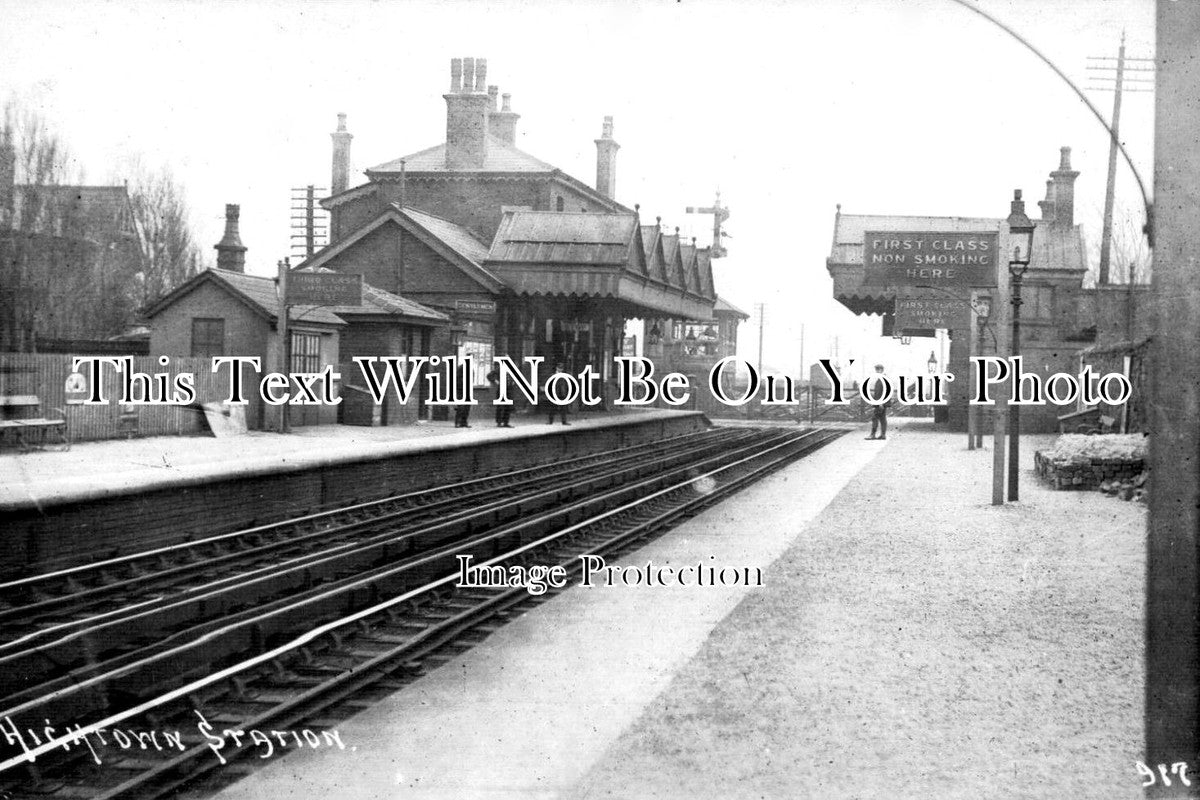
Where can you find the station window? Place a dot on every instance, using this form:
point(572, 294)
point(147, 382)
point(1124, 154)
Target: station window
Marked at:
point(306, 352)
point(208, 337)
point(559, 205)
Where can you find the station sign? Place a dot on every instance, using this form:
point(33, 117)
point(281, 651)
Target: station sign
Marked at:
point(323, 289)
point(897, 258)
point(926, 313)
point(475, 306)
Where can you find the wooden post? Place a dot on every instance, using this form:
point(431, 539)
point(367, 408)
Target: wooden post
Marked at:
point(1173, 541)
point(285, 354)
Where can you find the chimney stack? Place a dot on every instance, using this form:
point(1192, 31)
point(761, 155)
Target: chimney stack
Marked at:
point(231, 253)
point(1064, 191)
point(467, 107)
point(340, 181)
point(1047, 205)
point(606, 161)
point(503, 123)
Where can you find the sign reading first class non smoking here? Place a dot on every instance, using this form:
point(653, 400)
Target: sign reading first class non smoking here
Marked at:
point(929, 259)
point(324, 289)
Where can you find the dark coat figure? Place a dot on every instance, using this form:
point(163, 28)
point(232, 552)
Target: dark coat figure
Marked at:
point(461, 412)
point(879, 412)
point(553, 409)
point(503, 413)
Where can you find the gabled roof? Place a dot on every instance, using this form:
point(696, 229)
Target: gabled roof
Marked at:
point(455, 236)
point(451, 241)
point(501, 157)
point(691, 278)
point(255, 291)
point(564, 238)
point(652, 244)
point(704, 266)
point(723, 306)
point(672, 261)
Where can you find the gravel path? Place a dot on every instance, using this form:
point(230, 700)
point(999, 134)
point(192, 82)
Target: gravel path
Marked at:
point(916, 642)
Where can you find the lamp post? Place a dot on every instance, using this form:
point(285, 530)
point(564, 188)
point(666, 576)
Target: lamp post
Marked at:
point(1019, 225)
point(983, 309)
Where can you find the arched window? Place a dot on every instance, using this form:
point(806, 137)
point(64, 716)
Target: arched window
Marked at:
point(559, 205)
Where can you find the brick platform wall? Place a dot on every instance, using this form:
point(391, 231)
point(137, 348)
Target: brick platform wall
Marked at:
point(56, 537)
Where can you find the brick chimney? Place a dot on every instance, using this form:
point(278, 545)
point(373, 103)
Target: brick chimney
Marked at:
point(8, 178)
point(340, 181)
point(467, 107)
point(1064, 190)
point(503, 123)
point(606, 161)
point(231, 253)
point(1047, 205)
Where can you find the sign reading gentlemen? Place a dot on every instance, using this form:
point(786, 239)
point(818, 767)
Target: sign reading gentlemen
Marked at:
point(929, 259)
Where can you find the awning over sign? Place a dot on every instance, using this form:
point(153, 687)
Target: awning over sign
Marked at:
point(845, 262)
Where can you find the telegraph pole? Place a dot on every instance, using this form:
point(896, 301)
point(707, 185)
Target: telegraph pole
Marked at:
point(1118, 83)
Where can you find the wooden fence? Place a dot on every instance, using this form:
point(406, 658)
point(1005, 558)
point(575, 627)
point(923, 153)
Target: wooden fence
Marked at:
point(46, 375)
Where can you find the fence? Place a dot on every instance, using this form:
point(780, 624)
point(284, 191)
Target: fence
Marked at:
point(1131, 359)
point(46, 375)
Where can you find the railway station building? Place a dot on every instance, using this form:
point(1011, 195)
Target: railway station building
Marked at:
point(1059, 317)
point(524, 259)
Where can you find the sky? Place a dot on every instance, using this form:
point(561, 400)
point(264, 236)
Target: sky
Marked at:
point(789, 108)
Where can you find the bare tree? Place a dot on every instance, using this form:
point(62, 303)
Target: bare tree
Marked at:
point(1129, 256)
point(168, 253)
point(33, 160)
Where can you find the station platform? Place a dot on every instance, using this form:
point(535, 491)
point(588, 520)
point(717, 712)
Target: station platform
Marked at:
point(105, 499)
point(95, 470)
point(910, 640)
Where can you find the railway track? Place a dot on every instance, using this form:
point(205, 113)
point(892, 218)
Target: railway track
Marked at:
point(273, 654)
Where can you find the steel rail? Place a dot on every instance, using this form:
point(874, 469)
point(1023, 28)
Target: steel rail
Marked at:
point(374, 669)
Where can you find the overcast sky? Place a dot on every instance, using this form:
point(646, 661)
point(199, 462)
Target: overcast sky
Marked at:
point(883, 106)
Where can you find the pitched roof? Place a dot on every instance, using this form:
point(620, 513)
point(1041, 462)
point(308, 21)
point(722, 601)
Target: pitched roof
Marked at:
point(723, 306)
point(256, 291)
point(501, 157)
point(451, 241)
point(704, 264)
point(564, 238)
point(455, 236)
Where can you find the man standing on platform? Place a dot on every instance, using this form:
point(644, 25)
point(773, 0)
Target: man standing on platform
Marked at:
point(555, 409)
point(503, 413)
point(878, 391)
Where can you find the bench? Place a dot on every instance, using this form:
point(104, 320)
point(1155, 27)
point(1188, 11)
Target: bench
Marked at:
point(31, 432)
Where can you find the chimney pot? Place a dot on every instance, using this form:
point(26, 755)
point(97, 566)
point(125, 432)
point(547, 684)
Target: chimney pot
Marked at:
point(493, 92)
point(231, 253)
point(1064, 158)
point(456, 71)
point(481, 74)
point(468, 75)
point(506, 106)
